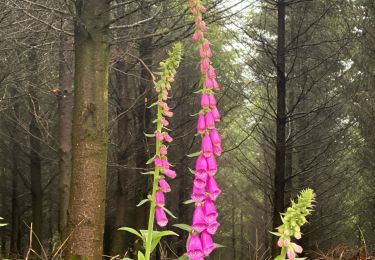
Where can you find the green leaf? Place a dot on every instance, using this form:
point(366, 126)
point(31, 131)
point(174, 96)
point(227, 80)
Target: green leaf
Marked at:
point(141, 256)
point(165, 233)
point(131, 230)
point(144, 233)
point(279, 257)
point(151, 160)
point(192, 171)
point(184, 227)
point(148, 173)
point(152, 105)
point(149, 135)
point(218, 245)
point(142, 202)
point(194, 154)
point(183, 257)
point(188, 202)
point(126, 258)
point(156, 238)
point(169, 213)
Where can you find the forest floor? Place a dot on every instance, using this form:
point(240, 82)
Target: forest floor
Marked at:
point(342, 253)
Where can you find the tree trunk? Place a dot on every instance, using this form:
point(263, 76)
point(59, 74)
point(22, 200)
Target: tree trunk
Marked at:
point(234, 228)
point(35, 158)
point(14, 249)
point(65, 101)
point(279, 178)
point(90, 131)
point(124, 202)
point(143, 117)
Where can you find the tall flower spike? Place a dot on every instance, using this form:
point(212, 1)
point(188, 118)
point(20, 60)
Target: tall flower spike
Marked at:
point(206, 189)
point(293, 219)
point(162, 166)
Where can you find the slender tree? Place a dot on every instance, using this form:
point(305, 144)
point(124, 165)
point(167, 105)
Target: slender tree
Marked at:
point(90, 130)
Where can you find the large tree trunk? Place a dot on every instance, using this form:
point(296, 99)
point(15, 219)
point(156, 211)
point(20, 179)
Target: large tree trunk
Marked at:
point(279, 178)
point(90, 130)
point(65, 99)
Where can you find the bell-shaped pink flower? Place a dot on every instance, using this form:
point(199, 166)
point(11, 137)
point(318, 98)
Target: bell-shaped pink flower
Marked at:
point(215, 137)
point(207, 243)
point(206, 45)
point(160, 199)
point(202, 9)
point(205, 65)
point(165, 163)
point(199, 194)
point(211, 165)
point(161, 217)
point(217, 150)
point(168, 113)
point(168, 138)
point(207, 147)
point(170, 173)
point(197, 36)
point(216, 85)
point(297, 248)
point(216, 114)
point(199, 223)
point(212, 73)
point(210, 211)
point(201, 167)
point(205, 100)
point(291, 254)
point(202, 53)
point(163, 151)
point(200, 182)
point(158, 162)
point(164, 186)
point(201, 124)
point(159, 136)
point(209, 83)
point(210, 120)
point(213, 227)
point(164, 122)
point(212, 100)
point(213, 188)
point(194, 250)
point(205, 53)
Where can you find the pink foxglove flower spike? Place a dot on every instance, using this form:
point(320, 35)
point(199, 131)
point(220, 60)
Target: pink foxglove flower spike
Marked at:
point(205, 189)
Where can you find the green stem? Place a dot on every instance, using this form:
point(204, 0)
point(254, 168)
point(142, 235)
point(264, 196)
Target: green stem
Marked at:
point(155, 186)
point(283, 252)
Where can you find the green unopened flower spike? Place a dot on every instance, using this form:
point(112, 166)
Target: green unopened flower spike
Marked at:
point(293, 219)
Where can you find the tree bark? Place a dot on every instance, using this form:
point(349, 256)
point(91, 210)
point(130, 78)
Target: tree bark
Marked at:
point(90, 131)
point(124, 201)
point(35, 158)
point(65, 101)
point(279, 177)
point(143, 116)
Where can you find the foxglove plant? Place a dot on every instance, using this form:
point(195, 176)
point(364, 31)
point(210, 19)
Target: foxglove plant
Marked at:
point(205, 188)
point(293, 219)
point(162, 168)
